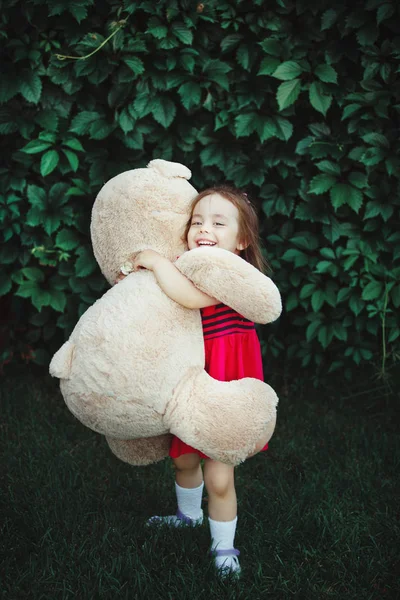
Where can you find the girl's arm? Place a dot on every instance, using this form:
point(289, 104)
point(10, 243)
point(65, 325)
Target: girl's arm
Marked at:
point(171, 281)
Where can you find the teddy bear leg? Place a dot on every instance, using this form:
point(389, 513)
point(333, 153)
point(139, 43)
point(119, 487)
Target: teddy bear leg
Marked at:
point(140, 452)
point(225, 420)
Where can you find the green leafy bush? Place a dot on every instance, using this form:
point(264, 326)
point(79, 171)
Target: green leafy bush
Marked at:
point(296, 102)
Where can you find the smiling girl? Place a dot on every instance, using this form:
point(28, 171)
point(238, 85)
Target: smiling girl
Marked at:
point(221, 217)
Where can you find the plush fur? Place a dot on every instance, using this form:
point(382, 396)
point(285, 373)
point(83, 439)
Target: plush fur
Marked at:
point(133, 368)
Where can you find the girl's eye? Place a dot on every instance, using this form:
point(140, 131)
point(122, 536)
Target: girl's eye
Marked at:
point(220, 224)
point(196, 223)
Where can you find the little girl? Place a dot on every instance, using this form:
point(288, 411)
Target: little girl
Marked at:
point(222, 217)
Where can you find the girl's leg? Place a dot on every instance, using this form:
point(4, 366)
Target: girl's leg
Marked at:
point(222, 508)
point(188, 473)
point(189, 490)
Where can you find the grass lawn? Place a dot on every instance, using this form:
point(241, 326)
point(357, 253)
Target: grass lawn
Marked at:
point(318, 512)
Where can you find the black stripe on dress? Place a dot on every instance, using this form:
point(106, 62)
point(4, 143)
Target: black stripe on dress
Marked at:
point(227, 328)
point(233, 319)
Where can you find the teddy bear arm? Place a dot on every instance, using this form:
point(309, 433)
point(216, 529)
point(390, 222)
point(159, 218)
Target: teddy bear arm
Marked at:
point(233, 281)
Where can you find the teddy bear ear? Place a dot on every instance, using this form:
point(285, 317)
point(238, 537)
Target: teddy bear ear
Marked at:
point(170, 169)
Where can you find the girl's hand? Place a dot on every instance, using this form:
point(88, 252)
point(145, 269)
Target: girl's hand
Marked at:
point(146, 259)
point(119, 278)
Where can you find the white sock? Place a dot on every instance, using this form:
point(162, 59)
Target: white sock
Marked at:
point(189, 503)
point(222, 536)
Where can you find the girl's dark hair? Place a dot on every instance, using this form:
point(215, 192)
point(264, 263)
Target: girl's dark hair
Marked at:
point(248, 223)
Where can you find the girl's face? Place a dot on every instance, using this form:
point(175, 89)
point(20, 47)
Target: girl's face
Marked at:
point(215, 223)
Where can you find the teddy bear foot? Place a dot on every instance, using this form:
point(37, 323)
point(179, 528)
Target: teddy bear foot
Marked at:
point(140, 452)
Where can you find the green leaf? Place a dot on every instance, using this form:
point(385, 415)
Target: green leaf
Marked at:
point(343, 294)
point(288, 92)
point(5, 284)
point(48, 136)
point(35, 146)
point(268, 65)
point(266, 128)
point(326, 73)
point(188, 62)
point(57, 300)
point(34, 216)
point(373, 156)
point(231, 41)
point(328, 18)
point(101, 129)
point(31, 86)
point(373, 290)
point(135, 64)
point(36, 196)
point(74, 144)
point(33, 273)
point(190, 94)
point(312, 329)
point(325, 335)
point(317, 300)
point(85, 264)
point(164, 111)
point(144, 104)
point(340, 332)
point(82, 122)
point(157, 30)
point(49, 162)
point(376, 139)
point(307, 290)
point(358, 179)
point(356, 304)
point(72, 159)
point(183, 34)
point(292, 301)
point(127, 123)
point(67, 239)
point(245, 124)
point(211, 155)
point(214, 68)
point(339, 195)
point(40, 298)
point(326, 266)
point(342, 193)
point(320, 101)
point(385, 11)
point(48, 119)
point(328, 167)
point(288, 70)
point(243, 57)
point(298, 257)
point(284, 128)
point(321, 183)
point(271, 46)
point(27, 289)
point(349, 110)
point(51, 223)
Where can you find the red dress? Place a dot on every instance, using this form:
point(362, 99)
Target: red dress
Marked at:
point(232, 351)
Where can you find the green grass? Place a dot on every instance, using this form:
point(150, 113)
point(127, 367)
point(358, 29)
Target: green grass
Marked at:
point(318, 513)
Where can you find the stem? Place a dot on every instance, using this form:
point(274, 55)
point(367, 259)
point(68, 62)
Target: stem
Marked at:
point(383, 331)
point(63, 56)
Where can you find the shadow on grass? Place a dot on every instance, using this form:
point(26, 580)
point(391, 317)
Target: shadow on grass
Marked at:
point(318, 513)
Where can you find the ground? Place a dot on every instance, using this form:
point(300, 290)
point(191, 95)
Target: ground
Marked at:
point(318, 512)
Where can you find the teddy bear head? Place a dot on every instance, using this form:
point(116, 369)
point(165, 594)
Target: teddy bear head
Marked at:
point(141, 209)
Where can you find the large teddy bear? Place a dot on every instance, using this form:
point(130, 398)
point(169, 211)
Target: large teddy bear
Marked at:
point(133, 368)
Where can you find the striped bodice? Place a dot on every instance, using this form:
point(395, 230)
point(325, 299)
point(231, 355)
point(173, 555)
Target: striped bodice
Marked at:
point(220, 320)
